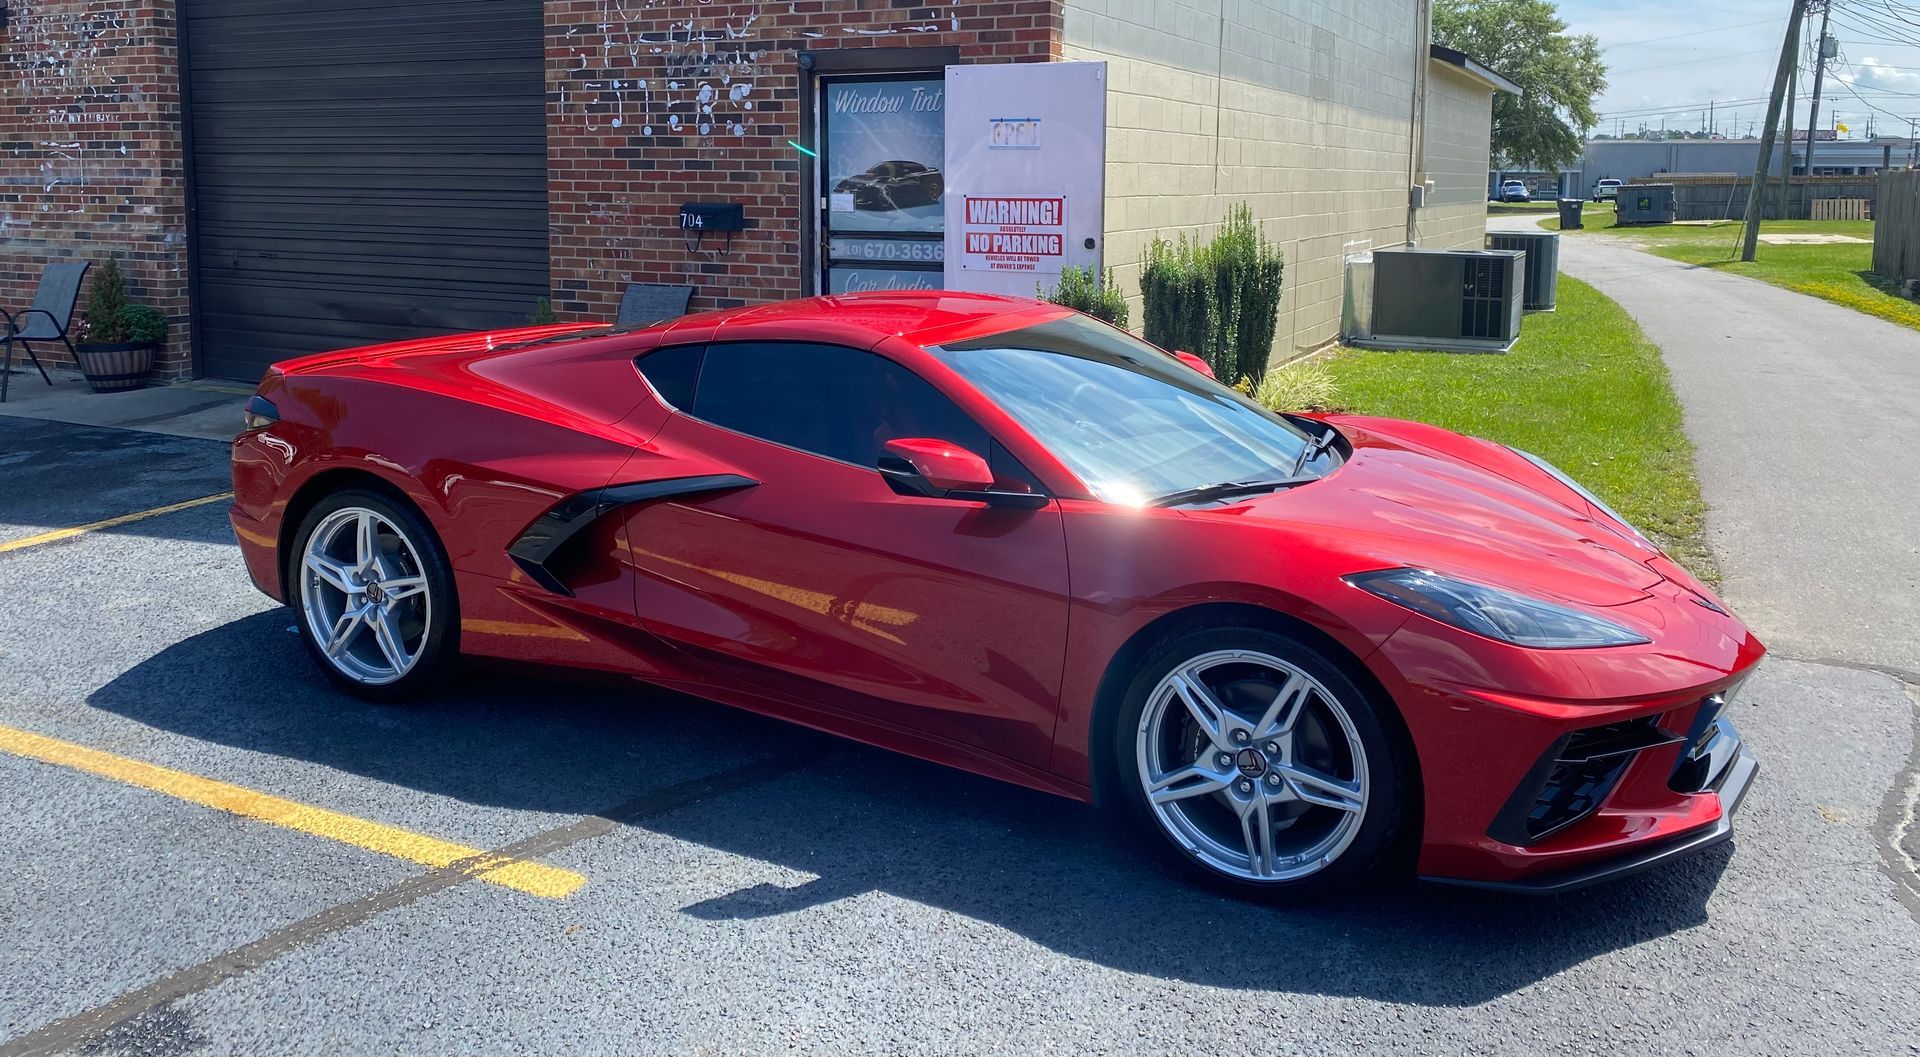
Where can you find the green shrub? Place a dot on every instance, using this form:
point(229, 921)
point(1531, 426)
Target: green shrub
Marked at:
point(1303, 385)
point(1219, 301)
point(543, 313)
point(1081, 290)
point(1246, 282)
point(1177, 299)
point(144, 324)
point(106, 305)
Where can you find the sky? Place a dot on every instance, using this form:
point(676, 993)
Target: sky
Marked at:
point(1668, 60)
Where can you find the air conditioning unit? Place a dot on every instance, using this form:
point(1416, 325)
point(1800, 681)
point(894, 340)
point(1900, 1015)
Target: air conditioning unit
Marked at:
point(1453, 300)
point(1543, 264)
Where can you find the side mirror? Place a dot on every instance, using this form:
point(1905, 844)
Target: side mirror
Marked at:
point(937, 469)
point(941, 465)
point(1194, 362)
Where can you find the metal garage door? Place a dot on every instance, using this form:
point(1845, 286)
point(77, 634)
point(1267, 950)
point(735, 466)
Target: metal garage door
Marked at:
point(363, 170)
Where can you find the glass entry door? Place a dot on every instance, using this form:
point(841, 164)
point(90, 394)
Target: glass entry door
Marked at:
point(883, 221)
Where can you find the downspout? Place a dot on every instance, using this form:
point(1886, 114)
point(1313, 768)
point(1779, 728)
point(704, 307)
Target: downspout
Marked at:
point(1417, 140)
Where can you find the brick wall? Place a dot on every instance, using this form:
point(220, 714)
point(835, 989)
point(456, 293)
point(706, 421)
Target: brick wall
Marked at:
point(90, 151)
point(651, 104)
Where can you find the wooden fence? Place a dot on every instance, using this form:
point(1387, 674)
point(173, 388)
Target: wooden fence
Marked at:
point(1840, 209)
point(1896, 226)
point(1723, 196)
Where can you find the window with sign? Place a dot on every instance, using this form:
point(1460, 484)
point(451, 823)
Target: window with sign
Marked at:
point(884, 219)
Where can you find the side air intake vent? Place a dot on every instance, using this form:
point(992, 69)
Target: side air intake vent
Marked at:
point(1573, 778)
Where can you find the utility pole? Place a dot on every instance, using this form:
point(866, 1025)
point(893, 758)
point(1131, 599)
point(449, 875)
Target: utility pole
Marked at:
point(1768, 130)
point(1710, 106)
point(1786, 152)
point(1819, 73)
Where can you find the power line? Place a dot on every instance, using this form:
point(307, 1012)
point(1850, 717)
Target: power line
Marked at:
point(1692, 33)
point(1689, 62)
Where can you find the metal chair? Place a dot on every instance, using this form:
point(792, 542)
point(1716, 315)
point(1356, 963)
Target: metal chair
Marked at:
point(645, 304)
point(47, 320)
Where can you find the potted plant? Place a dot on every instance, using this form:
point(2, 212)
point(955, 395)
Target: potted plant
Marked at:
point(116, 351)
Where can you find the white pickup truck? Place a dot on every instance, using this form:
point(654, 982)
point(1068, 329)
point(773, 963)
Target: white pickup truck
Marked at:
point(1606, 190)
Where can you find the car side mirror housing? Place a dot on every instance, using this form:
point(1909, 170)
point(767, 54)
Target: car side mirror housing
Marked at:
point(938, 469)
point(1194, 362)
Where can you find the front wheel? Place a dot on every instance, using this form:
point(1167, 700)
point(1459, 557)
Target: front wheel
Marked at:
point(1264, 766)
point(374, 595)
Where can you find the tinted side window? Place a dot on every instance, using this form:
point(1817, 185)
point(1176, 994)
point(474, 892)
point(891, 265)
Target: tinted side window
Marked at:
point(673, 373)
point(833, 401)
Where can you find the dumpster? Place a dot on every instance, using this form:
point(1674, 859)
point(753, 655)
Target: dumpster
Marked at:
point(1570, 213)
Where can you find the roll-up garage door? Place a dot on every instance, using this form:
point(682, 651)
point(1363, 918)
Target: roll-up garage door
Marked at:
point(363, 170)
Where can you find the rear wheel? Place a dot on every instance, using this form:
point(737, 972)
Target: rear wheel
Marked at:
point(375, 596)
point(1263, 765)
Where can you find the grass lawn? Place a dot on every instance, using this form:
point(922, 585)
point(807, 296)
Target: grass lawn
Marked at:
point(1539, 205)
point(1837, 272)
point(1583, 389)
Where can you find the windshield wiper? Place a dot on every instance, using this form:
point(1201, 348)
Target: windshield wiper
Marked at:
point(1314, 447)
point(1227, 490)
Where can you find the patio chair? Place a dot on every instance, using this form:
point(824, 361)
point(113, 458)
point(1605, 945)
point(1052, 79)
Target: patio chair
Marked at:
point(47, 320)
point(645, 304)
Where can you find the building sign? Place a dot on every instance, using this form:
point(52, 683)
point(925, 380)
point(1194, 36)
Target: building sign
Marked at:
point(1821, 134)
point(1014, 133)
point(1026, 233)
point(1025, 193)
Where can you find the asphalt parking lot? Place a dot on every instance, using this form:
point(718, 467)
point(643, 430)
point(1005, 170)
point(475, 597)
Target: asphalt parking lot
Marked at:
point(208, 850)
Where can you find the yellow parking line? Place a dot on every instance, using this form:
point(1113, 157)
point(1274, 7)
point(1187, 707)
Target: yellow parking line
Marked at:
point(518, 874)
point(95, 526)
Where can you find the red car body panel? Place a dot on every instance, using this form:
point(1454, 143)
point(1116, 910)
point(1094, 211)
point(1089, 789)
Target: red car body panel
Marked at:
point(979, 636)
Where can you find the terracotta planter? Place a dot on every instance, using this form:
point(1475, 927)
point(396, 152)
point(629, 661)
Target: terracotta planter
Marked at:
point(116, 367)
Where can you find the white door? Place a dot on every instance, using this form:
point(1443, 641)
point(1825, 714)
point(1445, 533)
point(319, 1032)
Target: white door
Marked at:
point(1026, 147)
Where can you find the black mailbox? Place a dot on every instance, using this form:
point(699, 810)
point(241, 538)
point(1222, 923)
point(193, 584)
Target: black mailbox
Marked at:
point(698, 218)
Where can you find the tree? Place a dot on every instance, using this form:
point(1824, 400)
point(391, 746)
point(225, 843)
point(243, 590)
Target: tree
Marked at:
point(1559, 74)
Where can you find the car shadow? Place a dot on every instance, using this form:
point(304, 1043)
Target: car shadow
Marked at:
point(854, 820)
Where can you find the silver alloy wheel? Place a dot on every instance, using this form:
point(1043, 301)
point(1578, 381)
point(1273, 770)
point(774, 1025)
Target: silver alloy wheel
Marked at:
point(364, 595)
point(1252, 765)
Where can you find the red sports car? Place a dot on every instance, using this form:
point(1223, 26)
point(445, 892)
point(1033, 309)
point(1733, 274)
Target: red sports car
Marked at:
point(1003, 536)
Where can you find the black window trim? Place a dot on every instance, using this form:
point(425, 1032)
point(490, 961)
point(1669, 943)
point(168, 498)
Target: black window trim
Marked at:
point(1039, 487)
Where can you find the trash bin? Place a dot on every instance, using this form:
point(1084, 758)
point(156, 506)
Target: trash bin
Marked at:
point(1570, 213)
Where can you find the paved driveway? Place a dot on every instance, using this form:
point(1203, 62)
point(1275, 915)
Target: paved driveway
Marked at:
point(742, 886)
point(1807, 420)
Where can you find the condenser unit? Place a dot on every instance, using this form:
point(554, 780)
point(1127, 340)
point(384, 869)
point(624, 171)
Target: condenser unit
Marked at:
point(1454, 300)
point(1543, 264)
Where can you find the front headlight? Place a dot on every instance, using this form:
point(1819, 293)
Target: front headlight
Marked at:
point(1492, 612)
point(1560, 475)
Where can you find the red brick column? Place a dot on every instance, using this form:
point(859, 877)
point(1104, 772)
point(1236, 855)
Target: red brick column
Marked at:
point(651, 103)
point(91, 162)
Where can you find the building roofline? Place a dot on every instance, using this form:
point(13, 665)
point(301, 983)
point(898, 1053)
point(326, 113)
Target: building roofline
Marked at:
point(1473, 68)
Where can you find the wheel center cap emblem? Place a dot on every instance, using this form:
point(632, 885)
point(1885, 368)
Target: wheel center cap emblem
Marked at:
point(375, 594)
point(1250, 762)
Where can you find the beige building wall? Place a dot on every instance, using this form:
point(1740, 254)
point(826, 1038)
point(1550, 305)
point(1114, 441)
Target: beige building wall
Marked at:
point(1303, 109)
point(1459, 130)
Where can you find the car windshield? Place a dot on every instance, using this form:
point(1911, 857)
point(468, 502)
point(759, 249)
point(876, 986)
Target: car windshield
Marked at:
point(1130, 421)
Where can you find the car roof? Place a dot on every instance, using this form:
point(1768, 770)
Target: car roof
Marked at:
point(924, 317)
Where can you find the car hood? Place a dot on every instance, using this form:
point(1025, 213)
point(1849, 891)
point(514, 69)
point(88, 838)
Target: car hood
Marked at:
point(1414, 495)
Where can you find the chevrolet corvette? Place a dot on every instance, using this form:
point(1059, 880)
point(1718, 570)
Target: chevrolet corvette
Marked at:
point(1297, 651)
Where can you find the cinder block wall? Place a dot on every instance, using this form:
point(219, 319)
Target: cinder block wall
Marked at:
point(90, 152)
point(1459, 129)
point(1303, 109)
point(619, 172)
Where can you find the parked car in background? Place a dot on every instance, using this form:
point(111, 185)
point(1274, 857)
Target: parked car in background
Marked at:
point(1606, 190)
point(1299, 650)
point(1515, 191)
